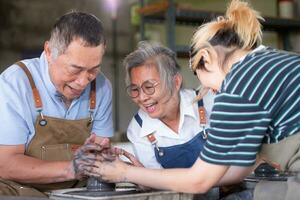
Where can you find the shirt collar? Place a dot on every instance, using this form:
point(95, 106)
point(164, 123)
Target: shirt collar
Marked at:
point(260, 47)
point(151, 125)
point(46, 76)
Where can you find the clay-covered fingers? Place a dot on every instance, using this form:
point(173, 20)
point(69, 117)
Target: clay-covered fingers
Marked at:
point(92, 170)
point(118, 151)
point(88, 148)
point(108, 171)
point(85, 156)
point(130, 157)
point(91, 139)
point(108, 157)
point(103, 141)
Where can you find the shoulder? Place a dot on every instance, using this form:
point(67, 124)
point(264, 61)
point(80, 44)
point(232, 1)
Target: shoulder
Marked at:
point(16, 79)
point(136, 124)
point(103, 85)
point(103, 82)
point(138, 118)
point(188, 94)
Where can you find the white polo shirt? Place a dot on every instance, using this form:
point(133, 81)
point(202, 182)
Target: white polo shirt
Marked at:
point(189, 126)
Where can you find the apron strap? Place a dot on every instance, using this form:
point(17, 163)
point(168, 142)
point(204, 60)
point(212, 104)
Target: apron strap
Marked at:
point(92, 99)
point(202, 115)
point(152, 139)
point(36, 95)
point(93, 95)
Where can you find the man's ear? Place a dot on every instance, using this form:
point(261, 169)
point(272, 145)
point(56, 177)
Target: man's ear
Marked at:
point(47, 50)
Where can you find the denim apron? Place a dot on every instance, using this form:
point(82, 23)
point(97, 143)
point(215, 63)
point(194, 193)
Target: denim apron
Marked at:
point(54, 140)
point(181, 155)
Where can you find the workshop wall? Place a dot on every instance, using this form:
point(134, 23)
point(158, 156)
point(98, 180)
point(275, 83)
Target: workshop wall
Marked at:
point(26, 24)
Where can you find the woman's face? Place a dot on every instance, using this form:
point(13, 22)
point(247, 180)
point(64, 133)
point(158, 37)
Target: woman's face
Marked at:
point(150, 95)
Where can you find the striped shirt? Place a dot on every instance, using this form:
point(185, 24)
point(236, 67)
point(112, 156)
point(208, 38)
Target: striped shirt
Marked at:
point(259, 102)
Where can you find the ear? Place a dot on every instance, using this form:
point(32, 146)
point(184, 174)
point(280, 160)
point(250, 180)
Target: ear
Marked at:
point(47, 50)
point(178, 81)
point(207, 57)
point(104, 45)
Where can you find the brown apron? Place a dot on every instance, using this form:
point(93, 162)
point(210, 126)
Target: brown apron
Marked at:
point(285, 155)
point(54, 140)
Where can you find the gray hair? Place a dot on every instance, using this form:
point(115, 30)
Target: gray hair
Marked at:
point(161, 57)
point(75, 25)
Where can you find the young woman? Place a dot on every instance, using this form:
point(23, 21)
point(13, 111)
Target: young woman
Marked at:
point(256, 113)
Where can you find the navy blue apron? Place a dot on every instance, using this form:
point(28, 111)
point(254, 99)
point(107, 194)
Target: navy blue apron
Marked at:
point(181, 155)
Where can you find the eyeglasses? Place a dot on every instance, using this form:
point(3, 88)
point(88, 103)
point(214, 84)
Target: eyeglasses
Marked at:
point(148, 88)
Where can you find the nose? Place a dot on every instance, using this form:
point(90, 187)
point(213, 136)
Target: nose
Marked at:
point(143, 96)
point(83, 79)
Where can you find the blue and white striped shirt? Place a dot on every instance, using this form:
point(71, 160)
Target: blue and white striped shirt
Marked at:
point(259, 102)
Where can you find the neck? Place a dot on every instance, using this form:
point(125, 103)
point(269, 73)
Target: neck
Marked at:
point(173, 116)
point(66, 101)
point(235, 57)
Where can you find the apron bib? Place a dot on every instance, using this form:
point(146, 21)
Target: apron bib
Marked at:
point(182, 155)
point(54, 140)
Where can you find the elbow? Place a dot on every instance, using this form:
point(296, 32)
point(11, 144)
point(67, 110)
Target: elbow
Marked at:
point(199, 187)
point(195, 186)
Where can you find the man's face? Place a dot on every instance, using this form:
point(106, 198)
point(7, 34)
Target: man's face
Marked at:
point(73, 70)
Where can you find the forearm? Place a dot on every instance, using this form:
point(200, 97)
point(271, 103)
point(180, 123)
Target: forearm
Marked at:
point(26, 169)
point(172, 178)
point(235, 174)
point(198, 179)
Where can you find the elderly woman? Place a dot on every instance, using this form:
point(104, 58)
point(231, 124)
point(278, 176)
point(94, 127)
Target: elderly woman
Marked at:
point(255, 116)
point(168, 130)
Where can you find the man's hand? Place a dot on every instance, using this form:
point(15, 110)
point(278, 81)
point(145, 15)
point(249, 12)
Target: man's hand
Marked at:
point(103, 141)
point(85, 156)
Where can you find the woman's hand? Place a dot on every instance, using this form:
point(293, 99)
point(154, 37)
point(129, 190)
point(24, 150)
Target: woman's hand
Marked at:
point(111, 171)
point(134, 161)
point(83, 156)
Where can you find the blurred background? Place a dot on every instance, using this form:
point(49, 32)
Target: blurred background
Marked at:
point(25, 25)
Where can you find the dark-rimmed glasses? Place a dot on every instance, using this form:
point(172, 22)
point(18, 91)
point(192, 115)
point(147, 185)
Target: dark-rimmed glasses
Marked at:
point(148, 88)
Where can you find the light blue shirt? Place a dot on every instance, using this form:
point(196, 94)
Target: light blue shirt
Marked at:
point(18, 112)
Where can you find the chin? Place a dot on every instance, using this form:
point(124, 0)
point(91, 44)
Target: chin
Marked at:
point(154, 115)
point(70, 97)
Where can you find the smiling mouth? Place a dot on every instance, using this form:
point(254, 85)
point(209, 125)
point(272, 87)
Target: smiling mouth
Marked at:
point(150, 107)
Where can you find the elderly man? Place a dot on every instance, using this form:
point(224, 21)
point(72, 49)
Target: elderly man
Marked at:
point(49, 107)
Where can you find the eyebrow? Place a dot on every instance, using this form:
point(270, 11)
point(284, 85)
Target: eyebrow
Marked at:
point(80, 67)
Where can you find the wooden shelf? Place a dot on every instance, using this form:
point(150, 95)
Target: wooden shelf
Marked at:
point(197, 17)
point(173, 15)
